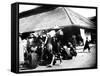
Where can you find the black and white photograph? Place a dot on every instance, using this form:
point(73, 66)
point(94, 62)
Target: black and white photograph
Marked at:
point(56, 37)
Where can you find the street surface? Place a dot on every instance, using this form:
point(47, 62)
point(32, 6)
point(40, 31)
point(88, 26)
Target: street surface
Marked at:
point(82, 60)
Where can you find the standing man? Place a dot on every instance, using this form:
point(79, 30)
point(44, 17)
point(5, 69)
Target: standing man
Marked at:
point(86, 46)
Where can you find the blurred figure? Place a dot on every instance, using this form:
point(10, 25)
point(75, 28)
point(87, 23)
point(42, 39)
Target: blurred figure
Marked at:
point(66, 53)
point(74, 41)
point(72, 49)
point(59, 35)
point(86, 46)
point(79, 40)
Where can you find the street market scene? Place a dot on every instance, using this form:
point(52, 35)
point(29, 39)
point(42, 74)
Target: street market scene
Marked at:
point(52, 37)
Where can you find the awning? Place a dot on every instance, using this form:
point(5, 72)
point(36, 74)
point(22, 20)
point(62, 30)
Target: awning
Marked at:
point(58, 17)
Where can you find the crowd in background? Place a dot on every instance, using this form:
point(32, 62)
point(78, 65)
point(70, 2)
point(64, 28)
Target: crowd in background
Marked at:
point(48, 46)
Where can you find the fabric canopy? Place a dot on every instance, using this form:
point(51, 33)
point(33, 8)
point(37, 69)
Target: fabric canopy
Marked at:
point(58, 17)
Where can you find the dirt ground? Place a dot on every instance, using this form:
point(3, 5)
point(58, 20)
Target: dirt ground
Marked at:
point(82, 60)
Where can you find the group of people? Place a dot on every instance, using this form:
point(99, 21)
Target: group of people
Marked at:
point(47, 48)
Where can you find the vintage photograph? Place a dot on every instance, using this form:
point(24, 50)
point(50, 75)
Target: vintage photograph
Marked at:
point(54, 37)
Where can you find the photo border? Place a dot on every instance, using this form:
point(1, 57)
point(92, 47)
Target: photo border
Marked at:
point(15, 63)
